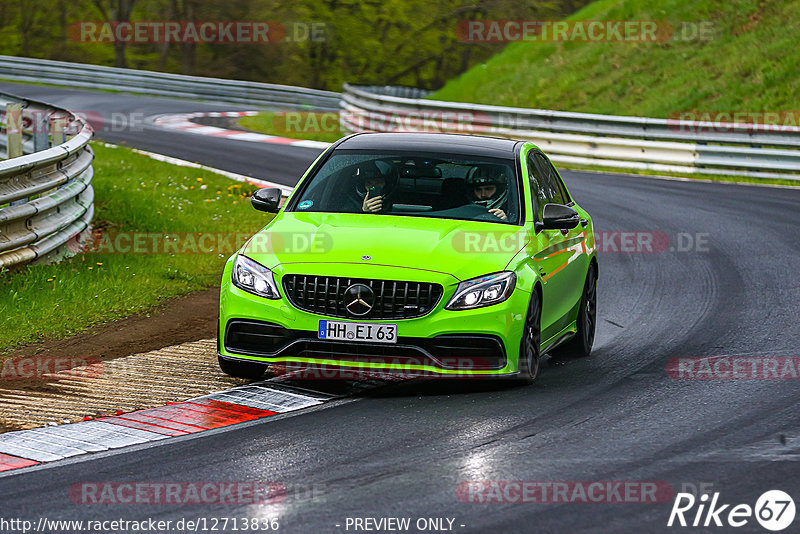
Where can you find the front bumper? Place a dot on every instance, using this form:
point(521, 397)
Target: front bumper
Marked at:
point(481, 342)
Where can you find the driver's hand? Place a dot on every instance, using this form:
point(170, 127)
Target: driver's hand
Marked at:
point(372, 205)
point(500, 214)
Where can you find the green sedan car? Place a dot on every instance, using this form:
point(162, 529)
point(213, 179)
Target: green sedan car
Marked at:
point(416, 254)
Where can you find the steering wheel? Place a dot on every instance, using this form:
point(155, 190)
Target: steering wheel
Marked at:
point(478, 213)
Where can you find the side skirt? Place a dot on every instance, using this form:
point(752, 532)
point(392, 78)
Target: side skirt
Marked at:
point(559, 339)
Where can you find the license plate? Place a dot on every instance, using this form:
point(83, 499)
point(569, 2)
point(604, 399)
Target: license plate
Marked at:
point(345, 331)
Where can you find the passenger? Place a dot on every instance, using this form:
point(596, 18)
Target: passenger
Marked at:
point(488, 189)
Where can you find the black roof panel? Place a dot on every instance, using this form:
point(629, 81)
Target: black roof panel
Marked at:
point(432, 142)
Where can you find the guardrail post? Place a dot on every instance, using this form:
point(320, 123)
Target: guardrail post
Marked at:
point(14, 136)
point(14, 130)
point(41, 133)
point(58, 123)
point(58, 137)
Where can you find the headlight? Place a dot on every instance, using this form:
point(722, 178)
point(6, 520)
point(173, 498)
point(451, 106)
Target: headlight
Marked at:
point(483, 291)
point(254, 278)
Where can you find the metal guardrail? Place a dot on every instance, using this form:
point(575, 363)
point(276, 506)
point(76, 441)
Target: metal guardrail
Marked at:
point(163, 84)
point(661, 145)
point(46, 195)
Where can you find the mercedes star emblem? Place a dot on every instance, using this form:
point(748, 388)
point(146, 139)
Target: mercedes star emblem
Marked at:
point(359, 299)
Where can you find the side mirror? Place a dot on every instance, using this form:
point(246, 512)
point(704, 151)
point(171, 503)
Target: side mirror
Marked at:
point(266, 199)
point(559, 217)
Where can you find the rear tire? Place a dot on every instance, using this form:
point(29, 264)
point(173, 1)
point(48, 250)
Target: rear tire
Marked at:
point(581, 343)
point(531, 344)
point(241, 369)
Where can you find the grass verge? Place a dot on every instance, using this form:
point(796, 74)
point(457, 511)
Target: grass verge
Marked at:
point(747, 180)
point(308, 125)
point(136, 197)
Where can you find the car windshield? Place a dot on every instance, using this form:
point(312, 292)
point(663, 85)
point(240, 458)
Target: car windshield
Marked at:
point(419, 185)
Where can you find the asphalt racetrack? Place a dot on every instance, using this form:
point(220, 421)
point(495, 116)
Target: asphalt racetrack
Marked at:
point(725, 284)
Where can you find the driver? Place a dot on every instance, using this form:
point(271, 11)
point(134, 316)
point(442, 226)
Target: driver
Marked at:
point(374, 186)
point(487, 188)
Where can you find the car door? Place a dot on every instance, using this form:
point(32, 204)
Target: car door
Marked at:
point(569, 275)
point(551, 250)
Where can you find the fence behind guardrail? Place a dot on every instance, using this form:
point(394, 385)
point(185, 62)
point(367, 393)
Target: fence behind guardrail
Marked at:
point(146, 82)
point(46, 196)
point(661, 145)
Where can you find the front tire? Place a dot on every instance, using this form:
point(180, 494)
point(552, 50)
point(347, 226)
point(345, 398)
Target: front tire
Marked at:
point(241, 369)
point(531, 344)
point(581, 343)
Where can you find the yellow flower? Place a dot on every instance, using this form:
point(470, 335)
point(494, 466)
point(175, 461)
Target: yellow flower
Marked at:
point(199, 179)
point(90, 268)
point(100, 263)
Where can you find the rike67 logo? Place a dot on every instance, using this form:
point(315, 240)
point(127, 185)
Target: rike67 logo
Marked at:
point(774, 510)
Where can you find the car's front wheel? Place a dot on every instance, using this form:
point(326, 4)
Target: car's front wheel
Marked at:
point(581, 343)
point(240, 369)
point(531, 345)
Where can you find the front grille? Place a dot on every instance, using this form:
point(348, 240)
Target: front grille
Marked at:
point(393, 299)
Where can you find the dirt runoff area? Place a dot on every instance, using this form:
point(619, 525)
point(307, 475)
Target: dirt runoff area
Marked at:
point(139, 362)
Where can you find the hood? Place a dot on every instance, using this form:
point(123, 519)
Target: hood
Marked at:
point(463, 249)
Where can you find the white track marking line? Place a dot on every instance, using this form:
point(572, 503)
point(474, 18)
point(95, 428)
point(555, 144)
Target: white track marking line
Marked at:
point(183, 122)
point(285, 190)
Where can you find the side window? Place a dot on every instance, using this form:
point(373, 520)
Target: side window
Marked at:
point(540, 192)
point(556, 191)
point(559, 182)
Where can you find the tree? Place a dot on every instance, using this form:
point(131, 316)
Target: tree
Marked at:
point(402, 42)
point(116, 12)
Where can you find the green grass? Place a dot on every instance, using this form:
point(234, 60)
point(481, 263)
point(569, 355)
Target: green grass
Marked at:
point(700, 177)
point(750, 64)
point(133, 194)
point(312, 126)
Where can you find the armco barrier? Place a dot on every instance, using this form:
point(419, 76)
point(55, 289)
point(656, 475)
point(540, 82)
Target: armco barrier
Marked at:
point(46, 195)
point(661, 145)
point(145, 82)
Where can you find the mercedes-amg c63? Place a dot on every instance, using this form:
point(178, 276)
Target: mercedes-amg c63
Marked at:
point(416, 254)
